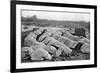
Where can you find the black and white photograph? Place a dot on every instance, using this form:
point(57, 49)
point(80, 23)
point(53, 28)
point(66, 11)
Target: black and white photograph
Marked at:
point(52, 36)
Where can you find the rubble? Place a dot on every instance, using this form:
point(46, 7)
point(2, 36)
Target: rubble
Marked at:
point(47, 33)
point(53, 44)
point(39, 31)
point(50, 49)
point(40, 54)
point(70, 36)
point(84, 40)
point(26, 51)
point(85, 48)
point(30, 39)
point(66, 41)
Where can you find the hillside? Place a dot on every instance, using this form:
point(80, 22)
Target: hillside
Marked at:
point(53, 23)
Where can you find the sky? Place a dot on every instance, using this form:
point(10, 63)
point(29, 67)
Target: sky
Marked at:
point(63, 16)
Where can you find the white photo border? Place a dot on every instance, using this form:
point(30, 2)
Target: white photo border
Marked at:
point(51, 64)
